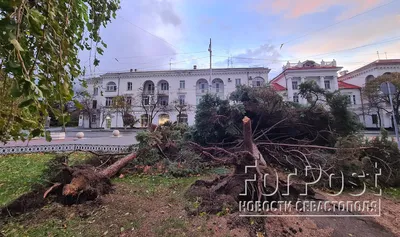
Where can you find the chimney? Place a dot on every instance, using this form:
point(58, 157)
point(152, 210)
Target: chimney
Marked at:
point(131, 70)
point(194, 67)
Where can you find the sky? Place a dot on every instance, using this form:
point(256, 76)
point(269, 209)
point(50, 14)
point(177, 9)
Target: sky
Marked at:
point(175, 34)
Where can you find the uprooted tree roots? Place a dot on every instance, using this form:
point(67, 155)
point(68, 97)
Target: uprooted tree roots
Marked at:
point(248, 162)
point(83, 182)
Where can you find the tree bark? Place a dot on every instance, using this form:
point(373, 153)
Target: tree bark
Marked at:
point(85, 181)
point(248, 143)
point(117, 166)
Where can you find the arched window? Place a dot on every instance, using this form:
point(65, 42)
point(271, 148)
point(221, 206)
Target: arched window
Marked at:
point(258, 82)
point(163, 85)
point(182, 118)
point(163, 118)
point(369, 78)
point(387, 73)
point(148, 87)
point(111, 86)
point(202, 86)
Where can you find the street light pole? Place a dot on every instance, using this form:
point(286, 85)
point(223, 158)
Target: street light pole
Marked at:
point(393, 114)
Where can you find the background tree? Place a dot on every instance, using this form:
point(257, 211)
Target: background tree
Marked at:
point(377, 99)
point(152, 106)
point(181, 107)
point(39, 62)
point(343, 121)
point(123, 105)
point(87, 106)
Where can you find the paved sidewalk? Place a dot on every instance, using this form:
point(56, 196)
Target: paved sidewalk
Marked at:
point(109, 140)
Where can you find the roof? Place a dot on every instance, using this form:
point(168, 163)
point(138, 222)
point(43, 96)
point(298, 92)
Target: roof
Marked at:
point(300, 68)
point(201, 70)
point(277, 87)
point(374, 63)
point(344, 85)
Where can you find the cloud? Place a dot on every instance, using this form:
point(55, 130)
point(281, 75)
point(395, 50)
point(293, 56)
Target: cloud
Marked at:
point(347, 36)
point(130, 47)
point(264, 55)
point(298, 8)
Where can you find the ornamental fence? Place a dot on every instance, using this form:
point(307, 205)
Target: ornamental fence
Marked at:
point(67, 148)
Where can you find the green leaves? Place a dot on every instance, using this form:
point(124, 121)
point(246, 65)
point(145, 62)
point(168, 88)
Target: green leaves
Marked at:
point(16, 44)
point(25, 103)
point(40, 57)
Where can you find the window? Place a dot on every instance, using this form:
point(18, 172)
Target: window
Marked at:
point(198, 99)
point(327, 85)
point(238, 82)
point(129, 100)
point(111, 86)
point(94, 118)
point(217, 87)
point(182, 118)
point(295, 86)
point(349, 99)
point(354, 99)
point(296, 98)
point(94, 104)
point(181, 99)
point(150, 88)
point(374, 119)
point(95, 91)
point(129, 86)
point(164, 86)
point(258, 83)
point(146, 100)
point(163, 101)
point(182, 84)
point(109, 101)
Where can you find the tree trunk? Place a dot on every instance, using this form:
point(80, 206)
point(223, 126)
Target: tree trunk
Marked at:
point(248, 143)
point(113, 169)
point(85, 182)
point(379, 118)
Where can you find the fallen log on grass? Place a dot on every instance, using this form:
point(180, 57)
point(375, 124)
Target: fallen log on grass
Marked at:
point(84, 182)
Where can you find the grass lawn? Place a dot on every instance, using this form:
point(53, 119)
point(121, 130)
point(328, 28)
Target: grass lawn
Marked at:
point(18, 173)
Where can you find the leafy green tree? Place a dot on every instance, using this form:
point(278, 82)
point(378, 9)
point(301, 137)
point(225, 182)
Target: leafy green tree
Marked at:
point(123, 105)
point(216, 120)
point(344, 122)
point(39, 62)
point(376, 99)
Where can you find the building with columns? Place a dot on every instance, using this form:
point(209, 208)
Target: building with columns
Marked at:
point(293, 74)
point(146, 89)
point(372, 117)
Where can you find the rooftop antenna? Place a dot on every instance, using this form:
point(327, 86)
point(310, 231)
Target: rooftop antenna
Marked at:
point(386, 55)
point(377, 52)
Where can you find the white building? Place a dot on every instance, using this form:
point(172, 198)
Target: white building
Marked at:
point(325, 74)
point(185, 86)
point(368, 72)
point(293, 74)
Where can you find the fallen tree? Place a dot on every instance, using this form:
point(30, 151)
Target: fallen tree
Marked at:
point(84, 182)
point(263, 181)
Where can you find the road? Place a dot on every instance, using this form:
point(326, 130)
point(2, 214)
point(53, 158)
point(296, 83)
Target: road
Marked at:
point(127, 137)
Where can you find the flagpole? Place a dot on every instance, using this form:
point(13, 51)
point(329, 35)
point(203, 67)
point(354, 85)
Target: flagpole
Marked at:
point(210, 50)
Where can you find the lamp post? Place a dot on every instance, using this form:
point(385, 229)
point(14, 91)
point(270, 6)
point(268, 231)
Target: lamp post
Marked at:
point(108, 122)
point(388, 89)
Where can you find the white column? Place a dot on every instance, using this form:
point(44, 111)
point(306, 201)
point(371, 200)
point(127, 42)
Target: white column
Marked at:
point(335, 83)
point(322, 82)
point(290, 89)
point(301, 99)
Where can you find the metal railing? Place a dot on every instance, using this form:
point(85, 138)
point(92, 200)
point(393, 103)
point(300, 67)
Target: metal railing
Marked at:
point(67, 148)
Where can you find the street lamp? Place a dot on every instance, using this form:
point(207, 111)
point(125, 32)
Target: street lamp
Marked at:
point(108, 122)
